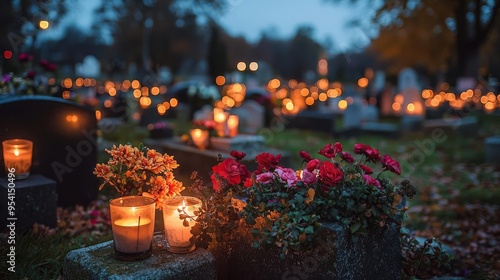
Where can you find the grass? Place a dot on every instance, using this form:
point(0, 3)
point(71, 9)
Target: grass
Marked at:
point(42, 257)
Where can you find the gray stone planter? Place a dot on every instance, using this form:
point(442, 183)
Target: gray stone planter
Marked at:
point(377, 256)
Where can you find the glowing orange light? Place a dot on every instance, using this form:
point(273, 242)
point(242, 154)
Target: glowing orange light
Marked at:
point(66, 94)
point(220, 80)
point(136, 84)
point(253, 66)
point(363, 82)
point(98, 115)
point(174, 102)
point(396, 106)
point(112, 92)
point(342, 104)
point(44, 24)
point(155, 90)
point(241, 66)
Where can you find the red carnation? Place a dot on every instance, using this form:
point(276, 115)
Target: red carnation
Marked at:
point(330, 150)
point(229, 169)
point(305, 155)
point(390, 164)
point(267, 160)
point(329, 174)
point(313, 164)
point(370, 153)
point(347, 157)
point(238, 155)
point(366, 169)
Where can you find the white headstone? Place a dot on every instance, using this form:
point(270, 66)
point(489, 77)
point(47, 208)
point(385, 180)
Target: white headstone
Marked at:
point(369, 114)
point(411, 90)
point(251, 117)
point(353, 114)
point(90, 67)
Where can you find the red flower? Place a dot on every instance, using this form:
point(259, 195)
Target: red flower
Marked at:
point(23, 57)
point(305, 155)
point(313, 164)
point(248, 182)
point(329, 174)
point(347, 157)
point(238, 155)
point(366, 169)
point(330, 150)
point(267, 160)
point(229, 169)
point(370, 153)
point(31, 74)
point(369, 180)
point(337, 147)
point(390, 164)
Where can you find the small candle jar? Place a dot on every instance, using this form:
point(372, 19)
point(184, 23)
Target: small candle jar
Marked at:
point(177, 232)
point(220, 118)
point(232, 124)
point(200, 138)
point(132, 223)
point(17, 155)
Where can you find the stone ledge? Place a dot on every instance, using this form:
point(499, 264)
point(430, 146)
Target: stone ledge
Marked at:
point(97, 262)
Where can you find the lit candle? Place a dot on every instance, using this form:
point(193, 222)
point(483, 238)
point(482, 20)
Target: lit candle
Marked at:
point(199, 137)
point(232, 124)
point(17, 154)
point(132, 223)
point(178, 236)
point(220, 118)
point(133, 235)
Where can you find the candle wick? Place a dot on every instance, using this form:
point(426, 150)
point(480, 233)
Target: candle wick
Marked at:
point(138, 227)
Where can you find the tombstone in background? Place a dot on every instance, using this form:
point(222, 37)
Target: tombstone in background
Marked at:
point(353, 114)
point(386, 100)
point(251, 116)
point(64, 135)
point(413, 109)
point(369, 113)
point(90, 67)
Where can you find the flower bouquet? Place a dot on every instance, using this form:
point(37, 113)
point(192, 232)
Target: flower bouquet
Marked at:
point(287, 206)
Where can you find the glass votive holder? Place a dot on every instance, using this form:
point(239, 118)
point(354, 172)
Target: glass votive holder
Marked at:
point(178, 235)
point(200, 138)
point(132, 224)
point(17, 154)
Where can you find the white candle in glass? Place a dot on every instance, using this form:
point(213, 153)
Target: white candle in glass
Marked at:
point(199, 137)
point(179, 236)
point(133, 235)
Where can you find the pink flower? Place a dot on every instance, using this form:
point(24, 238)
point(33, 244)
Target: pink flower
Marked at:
point(390, 164)
point(265, 178)
point(369, 180)
point(308, 177)
point(288, 175)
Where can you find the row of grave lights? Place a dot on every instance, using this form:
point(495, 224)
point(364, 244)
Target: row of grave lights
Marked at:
point(294, 96)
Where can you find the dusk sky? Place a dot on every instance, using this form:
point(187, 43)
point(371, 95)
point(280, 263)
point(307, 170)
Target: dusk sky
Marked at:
point(279, 17)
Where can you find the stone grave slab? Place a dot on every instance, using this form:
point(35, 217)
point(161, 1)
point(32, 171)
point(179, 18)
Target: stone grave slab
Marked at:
point(492, 149)
point(35, 202)
point(97, 262)
point(311, 120)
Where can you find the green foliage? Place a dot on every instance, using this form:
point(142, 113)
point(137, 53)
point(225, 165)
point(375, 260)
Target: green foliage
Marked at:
point(423, 260)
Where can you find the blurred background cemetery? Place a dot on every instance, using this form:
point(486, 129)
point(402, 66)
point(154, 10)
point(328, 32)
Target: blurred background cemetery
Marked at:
point(420, 82)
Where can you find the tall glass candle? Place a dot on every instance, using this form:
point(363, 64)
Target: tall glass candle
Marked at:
point(178, 235)
point(232, 124)
point(132, 223)
point(17, 154)
point(220, 118)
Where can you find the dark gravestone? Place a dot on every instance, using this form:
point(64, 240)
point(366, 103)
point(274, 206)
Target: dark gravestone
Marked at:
point(64, 142)
point(312, 120)
point(34, 200)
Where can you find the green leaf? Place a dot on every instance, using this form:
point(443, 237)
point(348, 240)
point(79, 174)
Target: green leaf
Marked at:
point(355, 227)
point(309, 230)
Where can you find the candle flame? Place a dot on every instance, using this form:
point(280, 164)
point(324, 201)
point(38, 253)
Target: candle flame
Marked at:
point(16, 152)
